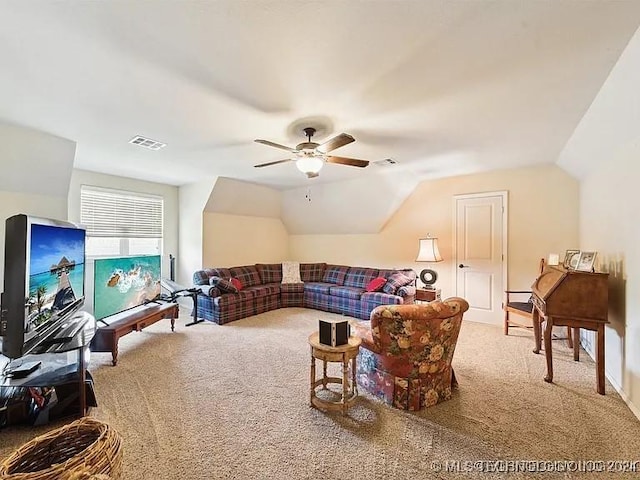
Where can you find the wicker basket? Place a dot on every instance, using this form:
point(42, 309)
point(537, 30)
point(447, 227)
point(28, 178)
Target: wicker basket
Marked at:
point(85, 449)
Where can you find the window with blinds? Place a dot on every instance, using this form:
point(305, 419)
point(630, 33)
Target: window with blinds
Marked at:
point(121, 223)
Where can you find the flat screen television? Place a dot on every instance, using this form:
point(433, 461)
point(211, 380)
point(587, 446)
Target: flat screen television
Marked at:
point(43, 282)
point(125, 282)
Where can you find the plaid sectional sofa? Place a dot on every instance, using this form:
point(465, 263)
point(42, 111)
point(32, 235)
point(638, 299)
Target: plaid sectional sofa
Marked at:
point(331, 288)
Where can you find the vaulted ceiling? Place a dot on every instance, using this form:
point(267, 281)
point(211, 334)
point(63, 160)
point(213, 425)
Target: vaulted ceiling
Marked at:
point(442, 87)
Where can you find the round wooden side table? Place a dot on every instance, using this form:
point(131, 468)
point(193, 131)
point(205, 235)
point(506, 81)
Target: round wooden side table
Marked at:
point(342, 354)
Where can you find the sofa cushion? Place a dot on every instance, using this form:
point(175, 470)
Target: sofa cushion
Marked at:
point(245, 296)
point(224, 285)
point(236, 283)
point(291, 272)
point(292, 287)
point(312, 272)
point(248, 275)
point(201, 277)
point(318, 287)
point(335, 274)
point(346, 292)
point(359, 277)
point(270, 272)
point(265, 289)
point(386, 272)
point(395, 281)
point(380, 298)
point(376, 284)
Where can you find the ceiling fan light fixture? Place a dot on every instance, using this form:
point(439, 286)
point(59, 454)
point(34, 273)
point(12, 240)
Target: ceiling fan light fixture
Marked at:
point(309, 164)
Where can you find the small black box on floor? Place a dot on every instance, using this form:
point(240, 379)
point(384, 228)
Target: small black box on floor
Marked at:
point(334, 332)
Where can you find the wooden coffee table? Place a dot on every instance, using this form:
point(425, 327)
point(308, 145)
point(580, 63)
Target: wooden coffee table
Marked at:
point(342, 354)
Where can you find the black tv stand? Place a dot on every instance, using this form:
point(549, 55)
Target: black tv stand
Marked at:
point(23, 370)
point(56, 340)
point(56, 387)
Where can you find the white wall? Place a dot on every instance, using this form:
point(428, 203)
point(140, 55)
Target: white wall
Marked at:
point(604, 153)
point(234, 240)
point(608, 226)
point(192, 199)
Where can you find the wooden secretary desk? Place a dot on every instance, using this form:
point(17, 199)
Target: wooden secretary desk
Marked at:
point(573, 299)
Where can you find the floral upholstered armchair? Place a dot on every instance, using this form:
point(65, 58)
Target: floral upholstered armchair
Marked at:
point(406, 353)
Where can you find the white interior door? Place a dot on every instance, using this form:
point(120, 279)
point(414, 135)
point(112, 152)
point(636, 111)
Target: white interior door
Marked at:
point(480, 251)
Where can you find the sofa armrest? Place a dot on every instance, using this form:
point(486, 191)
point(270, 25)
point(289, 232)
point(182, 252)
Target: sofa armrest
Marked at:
point(208, 290)
point(407, 291)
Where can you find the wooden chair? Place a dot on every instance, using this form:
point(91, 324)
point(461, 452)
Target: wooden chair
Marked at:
point(523, 309)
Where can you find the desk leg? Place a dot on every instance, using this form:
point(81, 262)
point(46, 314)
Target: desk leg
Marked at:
point(600, 358)
point(535, 319)
point(576, 344)
point(547, 349)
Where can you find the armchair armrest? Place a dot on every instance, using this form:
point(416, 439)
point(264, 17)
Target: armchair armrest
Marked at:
point(364, 333)
point(508, 293)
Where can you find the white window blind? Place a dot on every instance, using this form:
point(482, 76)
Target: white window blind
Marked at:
point(115, 213)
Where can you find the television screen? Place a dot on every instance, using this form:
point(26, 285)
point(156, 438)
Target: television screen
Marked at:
point(43, 282)
point(56, 272)
point(125, 282)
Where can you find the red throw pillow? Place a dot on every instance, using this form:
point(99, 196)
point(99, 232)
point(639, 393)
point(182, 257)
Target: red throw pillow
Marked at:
point(376, 284)
point(236, 283)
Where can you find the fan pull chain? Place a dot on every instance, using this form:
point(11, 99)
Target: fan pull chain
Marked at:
point(308, 195)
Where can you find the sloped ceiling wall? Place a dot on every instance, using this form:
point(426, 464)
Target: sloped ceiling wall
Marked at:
point(35, 172)
point(612, 120)
point(35, 162)
point(235, 197)
point(354, 207)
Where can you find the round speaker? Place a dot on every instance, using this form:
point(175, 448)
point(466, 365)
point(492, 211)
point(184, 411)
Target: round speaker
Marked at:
point(428, 276)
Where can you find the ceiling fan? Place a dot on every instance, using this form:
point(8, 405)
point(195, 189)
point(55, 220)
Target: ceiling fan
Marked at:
point(311, 156)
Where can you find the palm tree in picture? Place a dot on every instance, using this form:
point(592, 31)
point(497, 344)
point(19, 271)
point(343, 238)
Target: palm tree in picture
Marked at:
point(41, 295)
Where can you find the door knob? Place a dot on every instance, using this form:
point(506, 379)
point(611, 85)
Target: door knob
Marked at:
point(463, 266)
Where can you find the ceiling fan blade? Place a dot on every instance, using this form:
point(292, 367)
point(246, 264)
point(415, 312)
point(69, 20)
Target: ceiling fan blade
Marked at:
point(353, 162)
point(312, 175)
point(273, 163)
point(276, 145)
point(336, 142)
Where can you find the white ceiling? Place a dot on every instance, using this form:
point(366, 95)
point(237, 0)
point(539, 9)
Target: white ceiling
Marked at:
point(442, 87)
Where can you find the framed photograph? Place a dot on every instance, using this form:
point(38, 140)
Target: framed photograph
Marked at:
point(571, 259)
point(586, 261)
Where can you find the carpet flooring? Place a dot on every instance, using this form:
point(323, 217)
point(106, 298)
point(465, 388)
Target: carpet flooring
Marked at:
point(231, 402)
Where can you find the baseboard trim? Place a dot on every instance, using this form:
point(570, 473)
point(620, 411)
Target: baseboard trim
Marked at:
point(617, 387)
